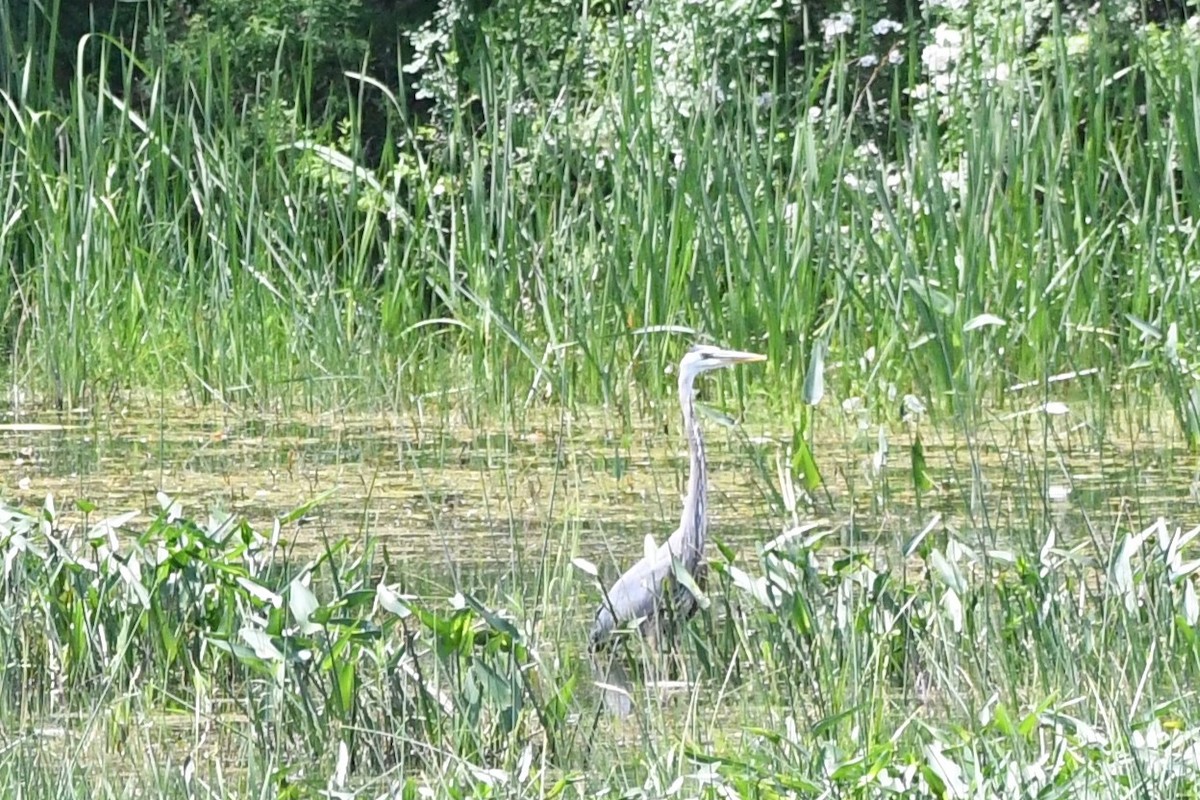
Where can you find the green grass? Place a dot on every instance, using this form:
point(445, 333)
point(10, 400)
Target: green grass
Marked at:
point(532, 249)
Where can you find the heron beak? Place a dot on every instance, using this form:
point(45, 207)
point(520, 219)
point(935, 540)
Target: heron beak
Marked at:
point(741, 357)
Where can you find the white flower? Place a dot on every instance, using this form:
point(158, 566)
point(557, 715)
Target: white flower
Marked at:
point(886, 26)
point(836, 25)
point(948, 37)
point(867, 149)
point(895, 57)
point(869, 60)
point(953, 180)
point(944, 50)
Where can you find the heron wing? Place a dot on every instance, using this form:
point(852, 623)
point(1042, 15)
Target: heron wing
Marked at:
point(638, 592)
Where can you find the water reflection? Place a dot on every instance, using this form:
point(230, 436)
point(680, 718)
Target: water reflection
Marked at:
point(614, 683)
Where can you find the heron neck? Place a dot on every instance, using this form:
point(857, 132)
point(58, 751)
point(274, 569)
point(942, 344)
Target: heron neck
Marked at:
point(693, 521)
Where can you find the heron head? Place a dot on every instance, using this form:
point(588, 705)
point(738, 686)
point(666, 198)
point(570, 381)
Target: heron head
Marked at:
point(704, 357)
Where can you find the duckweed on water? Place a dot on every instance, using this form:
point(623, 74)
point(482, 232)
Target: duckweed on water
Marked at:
point(203, 656)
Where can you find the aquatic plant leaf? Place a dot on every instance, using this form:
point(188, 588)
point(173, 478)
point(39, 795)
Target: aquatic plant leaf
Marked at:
point(303, 603)
point(920, 471)
point(494, 620)
point(345, 673)
point(1191, 604)
point(173, 509)
point(1120, 572)
point(983, 321)
point(390, 601)
point(937, 300)
point(1002, 720)
point(585, 566)
point(261, 643)
point(726, 551)
point(755, 587)
point(106, 529)
point(947, 774)
point(351, 600)
point(814, 377)
point(948, 572)
point(131, 574)
point(952, 607)
point(1148, 330)
point(303, 509)
point(689, 583)
point(804, 464)
point(913, 544)
point(559, 706)
point(260, 592)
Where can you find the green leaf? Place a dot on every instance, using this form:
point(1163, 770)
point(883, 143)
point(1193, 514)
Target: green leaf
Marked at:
point(1149, 331)
point(494, 620)
point(726, 551)
point(689, 583)
point(938, 300)
point(303, 603)
point(390, 601)
point(920, 472)
point(983, 321)
point(302, 510)
point(345, 673)
point(814, 378)
point(1002, 720)
point(803, 463)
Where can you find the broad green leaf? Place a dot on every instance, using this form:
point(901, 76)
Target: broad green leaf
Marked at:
point(938, 300)
point(920, 472)
point(689, 583)
point(494, 620)
point(345, 672)
point(949, 774)
point(303, 509)
point(803, 463)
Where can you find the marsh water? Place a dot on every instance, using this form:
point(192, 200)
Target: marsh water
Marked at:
point(492, 509)
point(467, 503)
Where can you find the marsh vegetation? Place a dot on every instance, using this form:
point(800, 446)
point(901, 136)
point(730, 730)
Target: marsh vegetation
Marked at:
point(335, 368)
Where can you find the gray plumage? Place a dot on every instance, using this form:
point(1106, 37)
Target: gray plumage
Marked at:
point(649, 589)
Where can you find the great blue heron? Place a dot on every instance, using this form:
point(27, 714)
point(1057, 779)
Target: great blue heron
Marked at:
point(649, 589)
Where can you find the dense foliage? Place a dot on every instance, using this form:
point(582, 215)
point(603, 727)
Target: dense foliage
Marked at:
point(472, 208)
point(364, 200)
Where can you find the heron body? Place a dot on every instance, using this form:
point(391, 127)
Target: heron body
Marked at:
point(649, 589)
